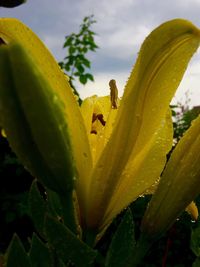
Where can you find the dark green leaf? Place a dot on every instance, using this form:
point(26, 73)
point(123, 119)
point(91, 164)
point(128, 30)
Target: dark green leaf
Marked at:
point(89, 76)
point(86, 62)
point(83, 79)
point(72, 49)
point(38, 207)
point(61, 64)
point(93, 47)
point(54, 203)
point(80, 68)
point(90, 39)
point(40, 255)
point(122, 244)
point(67, 245)
point(68, 42)
point(16, 254)
point(77, 74)
point(196, 263)
point(173, 112)
point(70, 59)
point(77, 42)
point(61, 264)
point(85, 49)
point(67, 67)
point(195, 241)
point(80, 57)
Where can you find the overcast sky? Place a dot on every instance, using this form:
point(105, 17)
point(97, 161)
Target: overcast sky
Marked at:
point(121, 27)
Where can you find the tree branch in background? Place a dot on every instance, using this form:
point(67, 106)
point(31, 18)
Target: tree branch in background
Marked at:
point(78, 45)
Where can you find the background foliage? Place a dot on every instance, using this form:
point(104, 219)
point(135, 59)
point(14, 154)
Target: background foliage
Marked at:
point(76, 63)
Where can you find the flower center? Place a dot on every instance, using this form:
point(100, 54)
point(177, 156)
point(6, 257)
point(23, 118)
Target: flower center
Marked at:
point(98, 118)
point(95, 119)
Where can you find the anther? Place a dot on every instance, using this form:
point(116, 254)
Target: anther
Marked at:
point(113, 93)
point(96, 117)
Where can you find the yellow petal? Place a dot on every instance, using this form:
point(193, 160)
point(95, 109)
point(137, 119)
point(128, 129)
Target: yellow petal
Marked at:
point(98, 129)
point(3, 133)
point(179, 185)
point(160, 66)
point(192, 210)
point(13, 30)
point(142, 171)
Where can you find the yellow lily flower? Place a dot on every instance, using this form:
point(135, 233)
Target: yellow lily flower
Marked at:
point(115, 150)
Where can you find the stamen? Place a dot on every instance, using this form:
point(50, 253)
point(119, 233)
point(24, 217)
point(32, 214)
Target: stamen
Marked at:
point(96, 117)
point(100, 118)
point(113, 93)
point(93, 132)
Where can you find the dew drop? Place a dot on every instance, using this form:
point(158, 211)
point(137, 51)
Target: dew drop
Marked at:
point(85, 154)
point(55, 98)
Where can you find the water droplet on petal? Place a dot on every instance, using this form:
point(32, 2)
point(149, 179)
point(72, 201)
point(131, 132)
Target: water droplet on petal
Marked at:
point(85, 154)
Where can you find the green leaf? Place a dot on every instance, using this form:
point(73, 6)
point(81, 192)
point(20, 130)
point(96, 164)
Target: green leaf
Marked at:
point(196, 263)
point(83, 79)
point(195, 241)
point(40, 255)
point(33, 117)
point(122, 244)
point(79, 67)
point(89, 76)
point(61, 264)
point(68, 247)
point(86, 62)
point(67, 67)
point(85, 49)
point(16, 254)
point(38, 208)
point(68, 42)
point(77, 74)
point(72, 50)
point(54, 203)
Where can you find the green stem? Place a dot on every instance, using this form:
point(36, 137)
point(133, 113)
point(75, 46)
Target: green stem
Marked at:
point(69, 213)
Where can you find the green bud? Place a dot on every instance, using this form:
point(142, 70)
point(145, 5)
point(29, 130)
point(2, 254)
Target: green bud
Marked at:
point(34, 121)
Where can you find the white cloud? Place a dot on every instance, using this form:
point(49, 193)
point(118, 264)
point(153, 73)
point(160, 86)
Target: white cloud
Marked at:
point(190, 85)
point(189, 3)
point(125, 41)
